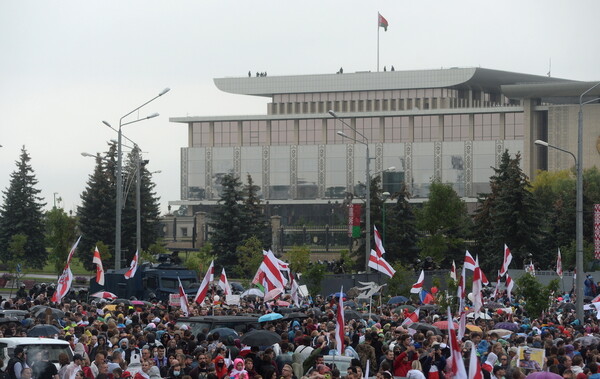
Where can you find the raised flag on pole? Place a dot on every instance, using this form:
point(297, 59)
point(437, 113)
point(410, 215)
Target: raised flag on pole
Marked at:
point(506, 261)
point(99, 269)
point(559, 270)
point(183, 300)
point(379, 264)
point(469, 261)
point(453, 271)
point(455, 362)
point(426, 297)
point(133, 266)
point(462, 291)
point(477, 287)
point(509, 286)
point(418, 286)
point(203, 289)
point(339, 325)
point(462, 325)
point(64, 285)
point(413, 317)
point(378, 243)
point(484, 279)
point(382, 22)
point(224, 283)
point(72, 251)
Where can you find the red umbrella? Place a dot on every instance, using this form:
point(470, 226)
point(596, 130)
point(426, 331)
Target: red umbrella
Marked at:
point(444, 324)
point(104, 295)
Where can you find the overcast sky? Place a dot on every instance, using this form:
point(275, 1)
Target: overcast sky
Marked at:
point(67, 65)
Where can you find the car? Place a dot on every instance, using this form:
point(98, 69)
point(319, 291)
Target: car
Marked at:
point(204, 324)
point(13, 313)
point(341, 362)
point(33, 346)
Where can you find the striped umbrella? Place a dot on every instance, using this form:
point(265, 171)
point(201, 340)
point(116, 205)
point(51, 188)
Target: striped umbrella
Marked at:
point(104, 295)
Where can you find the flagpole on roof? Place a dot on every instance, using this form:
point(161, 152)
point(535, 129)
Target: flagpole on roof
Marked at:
point(378, 16)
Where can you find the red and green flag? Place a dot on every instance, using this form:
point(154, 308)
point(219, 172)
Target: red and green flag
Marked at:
point(382, 22)
point(354, 213)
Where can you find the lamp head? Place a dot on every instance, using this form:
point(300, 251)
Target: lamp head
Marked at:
point(153, 115)
point(164, 91)
point(340, 133)
point(87, 155)
point(391, 169)
point(541, 143)
point(332, 113)
point(106, 123)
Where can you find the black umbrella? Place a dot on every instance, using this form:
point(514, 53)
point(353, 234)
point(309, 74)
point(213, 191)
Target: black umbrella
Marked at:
point(350, 314)
point(295, 315)
point(424, 327)
point(224, 333)
point(121, 301)
point(374, 317)
point(567, 306)
point(428, 307)
point(43, 330)
point(507, 325)
point(494, 305)
point(7, 320)
point(57, 313)
point(260, 337)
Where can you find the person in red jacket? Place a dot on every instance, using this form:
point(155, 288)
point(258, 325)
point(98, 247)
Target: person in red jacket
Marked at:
point(220, 367)
point(403, 362)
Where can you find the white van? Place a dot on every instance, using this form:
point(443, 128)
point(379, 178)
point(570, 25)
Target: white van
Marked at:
point(32, 346)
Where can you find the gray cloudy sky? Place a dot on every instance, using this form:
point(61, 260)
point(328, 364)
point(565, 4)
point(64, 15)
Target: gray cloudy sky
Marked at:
point(67, 65)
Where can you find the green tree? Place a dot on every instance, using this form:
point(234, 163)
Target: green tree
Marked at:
point(250, 257)
point(96, 214)
point(299, 257)
point(21, 213)
point(258, 224)
point(536, 295)
point(445, 221)
point(149, 206)
point(402, 235)
point(510, 215)
point(200, 260)
point(17, 248)
point(229, 222)
point(401, 282)
point(313, 278)
point(60, 235)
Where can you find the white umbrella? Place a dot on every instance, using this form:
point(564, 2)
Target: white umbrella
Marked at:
point(481, 315)
point(104, 295)
point(253, 292)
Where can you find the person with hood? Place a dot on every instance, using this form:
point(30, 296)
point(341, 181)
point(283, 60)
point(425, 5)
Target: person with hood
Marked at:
point(403, 362)
point(239, 370)
point(220, 367)
point(144, 373)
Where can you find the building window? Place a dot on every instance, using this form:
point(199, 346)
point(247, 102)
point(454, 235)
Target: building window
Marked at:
point(396, 129)
point(426, 128)
point(369, 127)
point(486, 127)
point(456, 127)
point(184, 232)
point(282, 132)
point(333, 126)
point(201, 134)
point(226, 133)
point(310, 132)
point(513, 126)
point(254, 133)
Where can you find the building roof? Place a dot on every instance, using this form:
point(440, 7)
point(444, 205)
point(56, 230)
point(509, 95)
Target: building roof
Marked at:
point(479, 78)
point(549, 90)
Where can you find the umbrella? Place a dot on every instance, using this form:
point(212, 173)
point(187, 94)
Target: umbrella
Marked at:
point(350, 304)
point(121, 301)
point(444, 324)
point(494, 305)
point(7, 320)
point(104, 295)
point(543, 375)
point(374, 317)
point(588, 340)
point(253, 292)
point(567, 306)
point(316, 311)
point(294, 315)
point(423, 327)
point(41, 313)
point(350, 314)
point(507, 325)
point(473, 328)
point(500, 332)
point(401, 308)
point(338, 294)
point(43, 330)
point(397, 300)
point(282, 303)
point(224, 333)
point(428, 307)
point(260, 337)
point(270, 317)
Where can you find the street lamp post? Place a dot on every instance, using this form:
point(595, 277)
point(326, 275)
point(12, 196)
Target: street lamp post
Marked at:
point(368, 187)
point(386, 196)
point(119, 174)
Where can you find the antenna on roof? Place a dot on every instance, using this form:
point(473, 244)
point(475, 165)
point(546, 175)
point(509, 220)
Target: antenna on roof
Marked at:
point(549, 67)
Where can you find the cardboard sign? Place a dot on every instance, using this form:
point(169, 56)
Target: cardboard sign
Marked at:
point(174, 300)
point(232, 299)
point(303, 290)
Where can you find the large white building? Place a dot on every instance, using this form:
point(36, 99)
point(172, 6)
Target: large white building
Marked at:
point(448, 124)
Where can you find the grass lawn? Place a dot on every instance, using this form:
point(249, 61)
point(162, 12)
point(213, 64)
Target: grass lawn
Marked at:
point(49, 269)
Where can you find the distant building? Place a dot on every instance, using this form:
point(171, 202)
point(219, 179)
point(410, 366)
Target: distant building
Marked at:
point(448, 124)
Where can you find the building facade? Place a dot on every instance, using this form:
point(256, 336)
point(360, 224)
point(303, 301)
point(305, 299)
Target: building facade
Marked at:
point(450, 125)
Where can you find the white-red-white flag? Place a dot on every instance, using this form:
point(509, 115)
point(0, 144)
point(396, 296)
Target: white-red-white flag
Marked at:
point(339, 325)
point(99, 269)
point(378, 244)
point(477, 287)
point(496, 290)
point(271, 268)
point(469, 261)
point(453, 271)
point(509, 286)
point(462, 290)
point(380, 264)
point(474, 365)
point(183, 300)
point(484, 279)
point(418, 286)
point(72, 251)
point(133, 266)
point(462, 325)
point(412, 317)
point(559, 270)
point(64, 285)
point(224, 284)
point(294, 291)
point(455, 362)
point(203, 289)
point(506, 261)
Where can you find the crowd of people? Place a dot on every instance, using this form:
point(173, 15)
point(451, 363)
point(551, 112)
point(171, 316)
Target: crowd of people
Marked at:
point(146, 342)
